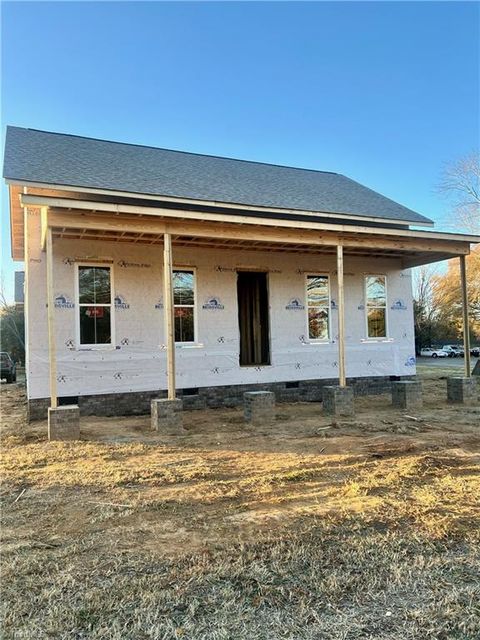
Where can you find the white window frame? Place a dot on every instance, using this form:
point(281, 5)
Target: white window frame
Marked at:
point(327, 275)
point(386, 336)
point(194, 306)
point(106, 345)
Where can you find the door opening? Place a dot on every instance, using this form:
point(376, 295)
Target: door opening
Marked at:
point(253, 318)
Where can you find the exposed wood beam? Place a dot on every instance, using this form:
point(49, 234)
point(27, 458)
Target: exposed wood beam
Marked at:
point(44, 227)
point(241, 219)
point(178, 241)
point(342, 378)
point(17, 227)
point(465, 313)
point(52, 350)
point(26, 291)
point(169, 314)
point(255, 233)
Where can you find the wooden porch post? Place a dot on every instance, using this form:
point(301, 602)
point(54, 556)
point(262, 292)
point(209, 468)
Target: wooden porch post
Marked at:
point(169, 313)
point(342, 379)
point(52, 352)
point(466, 326)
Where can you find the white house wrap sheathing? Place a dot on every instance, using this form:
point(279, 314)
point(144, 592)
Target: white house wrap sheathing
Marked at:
point(137, 362)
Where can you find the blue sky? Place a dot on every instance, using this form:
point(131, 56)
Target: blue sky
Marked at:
point(385, 93)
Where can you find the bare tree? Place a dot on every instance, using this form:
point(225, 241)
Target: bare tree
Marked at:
point(460, 184)
point(12, 328)
point(422, 287)
point(424, 305)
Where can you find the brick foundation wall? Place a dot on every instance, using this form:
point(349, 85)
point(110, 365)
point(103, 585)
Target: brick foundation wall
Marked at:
point(138, 403)
point(37, 409)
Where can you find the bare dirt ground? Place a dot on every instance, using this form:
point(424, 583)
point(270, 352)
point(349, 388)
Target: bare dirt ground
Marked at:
point(305, 529)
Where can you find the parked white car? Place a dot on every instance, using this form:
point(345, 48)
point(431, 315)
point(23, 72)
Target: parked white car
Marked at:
point(453, 350)
point(433, 353)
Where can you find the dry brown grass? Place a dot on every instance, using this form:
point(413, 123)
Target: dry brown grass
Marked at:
point(364, 529)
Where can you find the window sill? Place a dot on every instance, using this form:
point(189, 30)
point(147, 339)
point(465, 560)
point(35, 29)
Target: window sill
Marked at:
point(96, 347)
point(376, 340)
point(189, 345)
point(256, 366)
point(317, 343)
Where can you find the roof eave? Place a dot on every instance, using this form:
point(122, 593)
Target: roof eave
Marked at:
point(36, 200)
point(425, 222)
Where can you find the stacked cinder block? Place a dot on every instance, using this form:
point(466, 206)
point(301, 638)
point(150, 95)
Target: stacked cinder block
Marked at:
point(37, 409)
point(64, 423)
point(338, 401)
point(463, 390)
point(259, 407)
point(166, 416)
point(407, 394)
point(138, 402)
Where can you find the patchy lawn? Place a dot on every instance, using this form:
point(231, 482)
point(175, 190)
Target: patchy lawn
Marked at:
point(306, 529)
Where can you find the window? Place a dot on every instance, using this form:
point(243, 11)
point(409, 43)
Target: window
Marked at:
point(94, 305)
point(318, 307)
point(376, 306)
point(184, 305)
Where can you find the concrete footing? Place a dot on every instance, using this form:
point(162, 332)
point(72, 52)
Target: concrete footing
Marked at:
point(64, 422)
point(407, 394)
point(166, 416)
point(259, 407)
point(338, 401)
point(463, 390)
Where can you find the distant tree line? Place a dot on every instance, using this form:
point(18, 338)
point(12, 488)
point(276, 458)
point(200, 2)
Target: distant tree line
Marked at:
point(12, 331)
point(438, 303)
point(437, 295)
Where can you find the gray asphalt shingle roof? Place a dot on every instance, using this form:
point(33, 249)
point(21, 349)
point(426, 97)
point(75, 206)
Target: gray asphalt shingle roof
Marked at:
point(68, 160)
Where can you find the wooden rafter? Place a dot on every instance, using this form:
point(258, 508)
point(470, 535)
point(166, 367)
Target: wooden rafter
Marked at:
point(206, 234)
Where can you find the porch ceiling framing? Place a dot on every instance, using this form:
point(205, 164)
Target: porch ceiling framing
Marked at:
point(190, 229)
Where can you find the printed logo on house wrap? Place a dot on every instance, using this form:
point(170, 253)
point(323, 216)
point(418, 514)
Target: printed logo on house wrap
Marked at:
point(295, 305)
point(63, 302)
point(137, 265)
point(220, 268)
point(411, 361)
point(120, 302)
point(213, 303)
point(399, 305)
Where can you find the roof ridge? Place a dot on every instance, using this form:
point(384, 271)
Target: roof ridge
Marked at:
point(189, 153)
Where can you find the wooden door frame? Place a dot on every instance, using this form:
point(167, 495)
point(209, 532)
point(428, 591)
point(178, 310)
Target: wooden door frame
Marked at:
point(266, 342)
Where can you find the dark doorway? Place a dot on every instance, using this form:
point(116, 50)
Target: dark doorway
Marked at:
point(253, 318)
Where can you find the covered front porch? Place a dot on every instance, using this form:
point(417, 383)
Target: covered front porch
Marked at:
point(339, 248)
